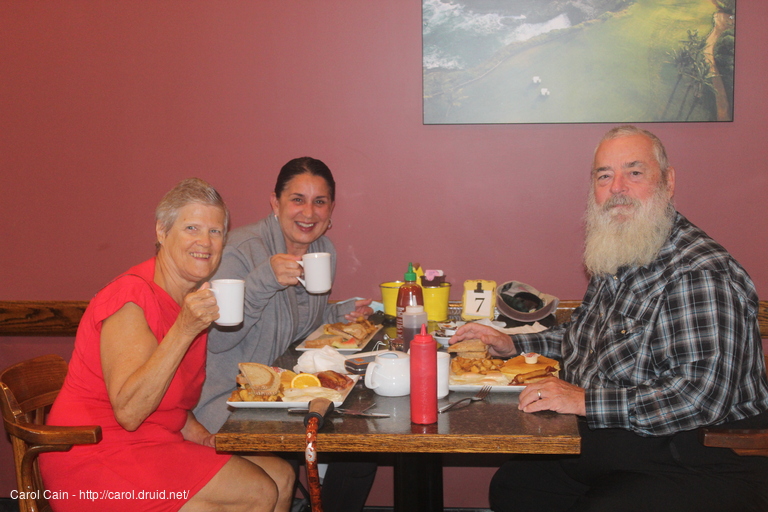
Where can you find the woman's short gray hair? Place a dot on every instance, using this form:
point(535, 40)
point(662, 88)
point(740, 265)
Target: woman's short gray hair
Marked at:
point(190, 190)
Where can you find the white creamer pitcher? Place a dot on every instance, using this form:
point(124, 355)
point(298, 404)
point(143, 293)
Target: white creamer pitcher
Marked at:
point(389, 374)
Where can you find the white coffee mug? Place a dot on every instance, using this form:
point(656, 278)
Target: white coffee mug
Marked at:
point(389, 374)
point(230, 297)
point(317, 272)
point(443, 371)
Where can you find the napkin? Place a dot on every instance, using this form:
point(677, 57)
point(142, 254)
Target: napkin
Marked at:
point(523, 329)
point(326, 358)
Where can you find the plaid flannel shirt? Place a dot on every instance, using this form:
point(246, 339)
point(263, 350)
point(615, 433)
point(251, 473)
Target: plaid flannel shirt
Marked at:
point(667, 347)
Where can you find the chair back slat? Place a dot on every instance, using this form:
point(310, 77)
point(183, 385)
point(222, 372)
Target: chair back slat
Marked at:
point(35, 405)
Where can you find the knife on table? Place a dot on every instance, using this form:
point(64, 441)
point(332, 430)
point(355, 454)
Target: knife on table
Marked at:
point(347, 412)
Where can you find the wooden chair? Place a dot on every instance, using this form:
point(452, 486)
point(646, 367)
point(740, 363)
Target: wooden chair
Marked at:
point(27, 389)
point(741, 441)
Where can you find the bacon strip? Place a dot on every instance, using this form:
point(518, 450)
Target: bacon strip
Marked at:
point(334, 380)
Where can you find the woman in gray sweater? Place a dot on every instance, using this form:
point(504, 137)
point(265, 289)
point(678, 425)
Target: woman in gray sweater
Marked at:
point(278, 310)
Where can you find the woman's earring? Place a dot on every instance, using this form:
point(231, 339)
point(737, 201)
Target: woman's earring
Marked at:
point(330, 223)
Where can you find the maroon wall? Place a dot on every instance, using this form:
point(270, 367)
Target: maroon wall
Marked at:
point(105, 105)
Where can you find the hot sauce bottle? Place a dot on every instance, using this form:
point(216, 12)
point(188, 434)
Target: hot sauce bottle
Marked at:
point(423, 378)
point(409, 294)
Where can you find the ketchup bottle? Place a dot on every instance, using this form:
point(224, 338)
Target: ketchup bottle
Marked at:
point(423, 378)
point(409, 294)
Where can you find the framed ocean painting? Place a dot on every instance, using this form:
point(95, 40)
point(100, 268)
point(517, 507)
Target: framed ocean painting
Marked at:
point(577, 61)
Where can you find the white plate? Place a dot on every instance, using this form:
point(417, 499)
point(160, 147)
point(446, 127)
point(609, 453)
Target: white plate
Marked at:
point(302, 347)
point(287, 405)
point(474, 388)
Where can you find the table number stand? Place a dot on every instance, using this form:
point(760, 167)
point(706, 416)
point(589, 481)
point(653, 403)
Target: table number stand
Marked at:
point(479, 300)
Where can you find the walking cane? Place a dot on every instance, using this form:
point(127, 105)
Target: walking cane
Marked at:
point(314, 420)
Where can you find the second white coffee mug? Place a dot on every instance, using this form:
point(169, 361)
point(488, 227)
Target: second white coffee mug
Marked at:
point(443, 373)
point(389, 374)
point(317, 272)
point(230, 297)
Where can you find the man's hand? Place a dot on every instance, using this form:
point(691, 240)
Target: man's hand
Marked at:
point(553, 394)
point(499, 344)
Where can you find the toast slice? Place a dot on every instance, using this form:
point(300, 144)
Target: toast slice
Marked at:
point(261, 379)
point(468, 346)
point(336, 330)
point(358, 329)
point(470, 349)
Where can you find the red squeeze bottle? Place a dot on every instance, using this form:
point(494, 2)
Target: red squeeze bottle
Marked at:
point(423, 378)
point(409, 294)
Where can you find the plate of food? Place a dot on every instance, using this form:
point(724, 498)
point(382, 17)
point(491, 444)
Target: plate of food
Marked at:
point(345, 337)
point(266, 387)
point(473, 368)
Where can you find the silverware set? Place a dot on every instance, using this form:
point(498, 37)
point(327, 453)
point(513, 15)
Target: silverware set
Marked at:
point(479, 396)
point(348, 412)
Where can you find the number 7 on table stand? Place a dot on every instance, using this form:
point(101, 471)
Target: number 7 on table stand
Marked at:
point(479, 300)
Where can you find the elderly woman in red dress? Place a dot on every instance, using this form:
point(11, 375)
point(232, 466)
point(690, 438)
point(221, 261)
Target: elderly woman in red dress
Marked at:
point(137, 370)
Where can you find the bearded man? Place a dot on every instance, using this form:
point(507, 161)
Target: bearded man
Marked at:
point(666, 341)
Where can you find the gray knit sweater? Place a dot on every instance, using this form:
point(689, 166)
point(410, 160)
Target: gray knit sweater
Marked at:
point(271, 314)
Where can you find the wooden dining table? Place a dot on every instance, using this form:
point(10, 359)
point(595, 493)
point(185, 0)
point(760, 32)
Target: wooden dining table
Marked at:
point(493, 426)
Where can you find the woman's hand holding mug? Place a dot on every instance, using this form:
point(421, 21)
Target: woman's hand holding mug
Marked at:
point(286, 268)
point(317, 272)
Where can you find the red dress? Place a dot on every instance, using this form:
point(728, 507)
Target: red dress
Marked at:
point(152, 468)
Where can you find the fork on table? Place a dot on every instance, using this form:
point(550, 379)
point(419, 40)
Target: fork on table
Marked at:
point(480, 395)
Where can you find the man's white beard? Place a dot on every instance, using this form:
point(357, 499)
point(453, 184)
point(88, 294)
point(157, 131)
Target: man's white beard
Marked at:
point(626, 237)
